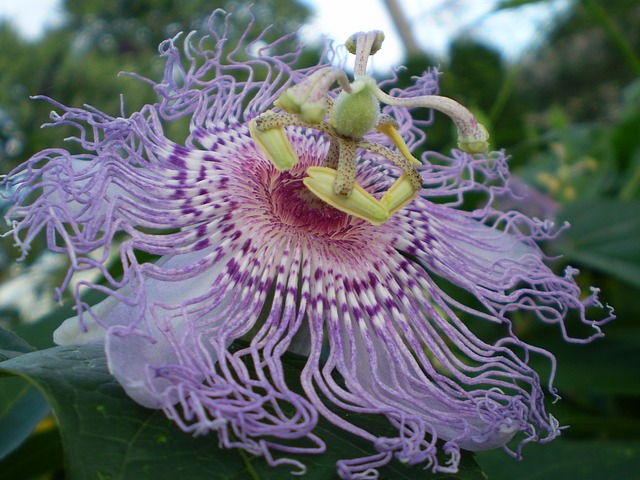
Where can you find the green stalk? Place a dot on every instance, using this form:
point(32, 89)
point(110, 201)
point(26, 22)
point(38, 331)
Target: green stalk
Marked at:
point(615, 34)
point(506, 90)
point(632, 186)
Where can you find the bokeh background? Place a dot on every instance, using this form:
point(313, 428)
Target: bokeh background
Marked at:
point(556, 82)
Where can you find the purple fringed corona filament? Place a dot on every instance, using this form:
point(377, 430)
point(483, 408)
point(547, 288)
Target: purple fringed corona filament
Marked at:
point(247, 251)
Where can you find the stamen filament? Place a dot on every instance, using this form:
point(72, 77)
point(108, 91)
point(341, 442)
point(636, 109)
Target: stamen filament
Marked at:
point(347, 168)
point(407, 167)
point(333, 155)
point(388, 126)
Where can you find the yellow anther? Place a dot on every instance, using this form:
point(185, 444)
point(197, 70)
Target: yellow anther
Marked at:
point(273, 141)
point(392, 132)
point(476, 143)
point(360, 203)
point(309, 100)
point(288, 102)
point(401, 193)
point(311, 112)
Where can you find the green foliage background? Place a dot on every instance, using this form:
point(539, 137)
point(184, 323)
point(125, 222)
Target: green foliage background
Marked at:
point(568, 112)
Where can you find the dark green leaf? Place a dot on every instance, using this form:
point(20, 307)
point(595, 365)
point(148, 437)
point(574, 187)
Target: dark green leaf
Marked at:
point(40, 457)
point(562, 460)
point(12, 345)
point(607, 365)
point(504, 4)
point(125, 441)
point(22, 407)
point(604, 235)
point(589, 367)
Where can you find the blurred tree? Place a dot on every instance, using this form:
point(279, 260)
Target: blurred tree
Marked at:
point(586, 60)
point(79, 61)
point(14, 65)
point(480, 77)
point(476, 72)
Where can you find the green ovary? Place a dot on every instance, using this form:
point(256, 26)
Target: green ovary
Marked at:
point(355, 114)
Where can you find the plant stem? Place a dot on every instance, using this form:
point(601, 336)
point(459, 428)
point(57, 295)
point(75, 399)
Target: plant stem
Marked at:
point(600, 14)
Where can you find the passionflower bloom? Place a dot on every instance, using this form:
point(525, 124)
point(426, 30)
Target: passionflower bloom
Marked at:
point(294, 216)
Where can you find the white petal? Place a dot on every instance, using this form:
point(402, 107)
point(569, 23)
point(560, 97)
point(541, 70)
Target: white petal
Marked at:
point(131, 359)
point(71, 333)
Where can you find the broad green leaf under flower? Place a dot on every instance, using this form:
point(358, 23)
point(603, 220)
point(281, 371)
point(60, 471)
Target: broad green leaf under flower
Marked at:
point(98, 421)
